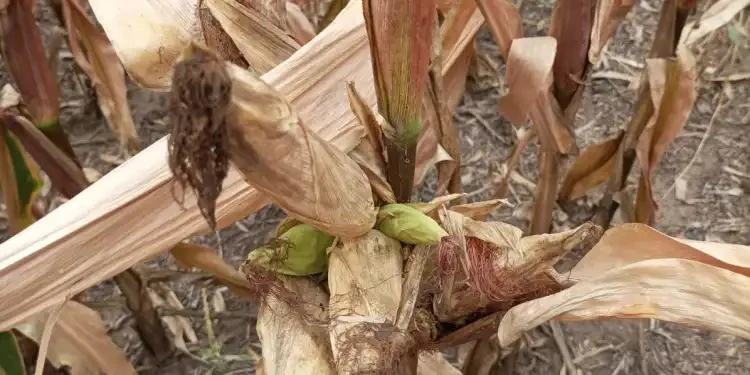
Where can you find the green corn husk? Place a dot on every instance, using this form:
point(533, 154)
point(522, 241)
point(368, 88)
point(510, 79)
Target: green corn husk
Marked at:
point(299, 251)
point(409, 225)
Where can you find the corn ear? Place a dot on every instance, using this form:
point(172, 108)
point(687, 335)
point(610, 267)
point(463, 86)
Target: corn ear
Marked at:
point(299, 251)
point(290, 344)
point(409, 225)
point(364, 279)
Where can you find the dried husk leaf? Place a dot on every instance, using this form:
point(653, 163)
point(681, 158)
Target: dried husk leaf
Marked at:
point(290, 344)
point(273, 10)
point(495, 265)
point(217, 39)
point(364, 279)
point(504, 22)
point(298, 25)
point(85, 234)
point(300, 251)
point(592, 168)
point(529, 77)
point(102, 66)
point(308, 178)
point(79, 341)
point(262, 43)
point(409, 225)
point(608, 16)
point(430, 208)
point(672, 84)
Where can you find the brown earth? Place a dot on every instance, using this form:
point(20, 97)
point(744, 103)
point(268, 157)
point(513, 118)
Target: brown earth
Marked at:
point(716, 207)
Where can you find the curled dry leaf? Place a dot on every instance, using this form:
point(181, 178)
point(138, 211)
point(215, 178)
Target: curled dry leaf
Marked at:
point(217, 39)
point(431, 207)
point(529, 77)
point(94, 54)
point(191, 255)
point(260, 132)
point(364, 278)
point(272, 10)
point(672, 84)
point(504, 21)
point(79, 341)
point(636, 272)
point(593, 167)
point(369, 152)
point(608, 15)
point(290, 344)
point(263, 44)
point(298, 25)
point(479, 210)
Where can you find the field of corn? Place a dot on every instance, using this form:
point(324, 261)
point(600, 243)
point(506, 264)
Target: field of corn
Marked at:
point(283, 187)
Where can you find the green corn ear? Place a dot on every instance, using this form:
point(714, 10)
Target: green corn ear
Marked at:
point(299, 251)
point(409, 225)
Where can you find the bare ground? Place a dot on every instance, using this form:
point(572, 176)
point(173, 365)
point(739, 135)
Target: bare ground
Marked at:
point(716, 206)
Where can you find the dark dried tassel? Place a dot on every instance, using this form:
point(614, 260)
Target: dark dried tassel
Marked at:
point(198, 145)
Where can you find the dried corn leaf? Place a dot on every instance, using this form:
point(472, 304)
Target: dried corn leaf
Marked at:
point(263, 44)
point(369, 152)
point(529, 77)
point(719, 14)
point(191, 255)
point(272, 10)
point(672, 84)
point(571, 26)
point(432, 363)
point(608, 16)
point(364, 300)
point(593, 167)
point(479, 210)
point(290, 344)
point(95, 56)
point(635, 271)
point(300, 28)
point(79, 341)
point(307, 177)
point(505, 23)
point(431, 207)
point(217, 39)
point(73, 235)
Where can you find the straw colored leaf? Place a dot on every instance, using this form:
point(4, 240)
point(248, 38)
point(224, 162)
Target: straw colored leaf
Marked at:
point(675, 290)
point(79, 341)
point(608, 16)
point(529, 77)
point(298, 25)
point(363, 298)
point(592, 168)
point(191, 255)
point(272, 10)
point(369, 152)
point(432, 206)
point(85, 234)
point(11, 357)
point(290, 345)
point(94, 54)
point(672, 84)
point(479, 210)
point(719, 14)
point(263, 44)
point(504, 22)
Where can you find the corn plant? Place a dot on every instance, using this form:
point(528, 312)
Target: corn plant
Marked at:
point(336, 132)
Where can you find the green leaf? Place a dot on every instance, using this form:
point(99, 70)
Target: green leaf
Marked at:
point(11, 358)
point(19, 181)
